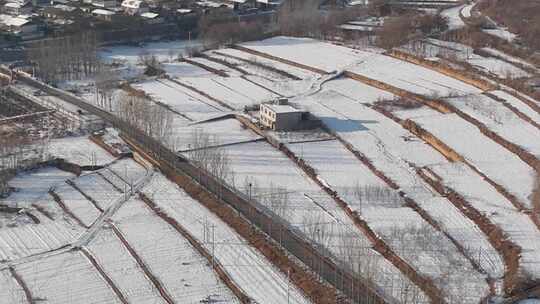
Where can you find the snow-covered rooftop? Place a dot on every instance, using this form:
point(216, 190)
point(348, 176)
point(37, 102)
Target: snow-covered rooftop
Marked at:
point(12, 21)
point(149, 15)
point(102, 12)
point(282, 108)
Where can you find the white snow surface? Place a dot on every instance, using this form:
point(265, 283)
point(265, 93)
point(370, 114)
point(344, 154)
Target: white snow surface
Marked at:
point(221, 132)
point(96, 187)
point(184, 274)
point(233, 91)
point(499, 119)
point(298, 72)
point(411, 77)
point(390, 148)
point(79, 150)
point(11, 292)
point(180, 99)
point(492, 159)
point(321, 55)
point(75, 202)
point(497, 53)
point(33, 186)
point(162, 50)
point(246, 266)
point(494, 64)
point(501, 33)
point(66, 278)
point(466, 11)
point(518, 226)
point(453, 16)
point(270, 172)
point(216, 66)
point(518, 104)
point(26, 240)
point(122, 268)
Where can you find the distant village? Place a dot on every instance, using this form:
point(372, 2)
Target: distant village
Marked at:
point(27, 20)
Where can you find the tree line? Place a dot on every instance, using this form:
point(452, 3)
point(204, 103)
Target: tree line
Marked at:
point(67, 58)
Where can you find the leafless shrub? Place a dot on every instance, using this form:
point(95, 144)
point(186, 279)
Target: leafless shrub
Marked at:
point(400, 103)
point(193, 51)
point(152, 65)
point(412, 241)
point(358, 256)
point(360, 196)
point(317, 229)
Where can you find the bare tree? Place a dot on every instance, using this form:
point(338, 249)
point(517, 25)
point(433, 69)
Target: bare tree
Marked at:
point(152, 65)
point(536, 195)
point(316, 229)
point(66, 58)
point(207, 155)
point(277, 200)
point(144, 114)
point(106, 81)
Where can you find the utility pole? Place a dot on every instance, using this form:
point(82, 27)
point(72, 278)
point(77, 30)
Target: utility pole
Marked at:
point(288, 286)
point(213, 244)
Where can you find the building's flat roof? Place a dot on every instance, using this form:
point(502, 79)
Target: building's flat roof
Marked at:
point(102, 12)
point(282, 108)
point(149, 15)
point(13, 5)
point(13, 21)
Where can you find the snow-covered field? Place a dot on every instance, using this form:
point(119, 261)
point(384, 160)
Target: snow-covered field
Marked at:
point(27, 240)
point(33, 186)
point(259, 279)
point(498, 209)
point(220, 132)
point(499, 119)
point(11, 292)
point(96, 187)
point(497, 65)
point(273, 177)
point(492, 159)
point(118, 264)
point(453, 16)
point(76, 203)
point(497, 53)
point(183, 273)
point(79, 150)
point(180, 99)
point(501, 33)
point(518, 104)
point(390, 148)
point(321, 55)
point(164, 51)
point(216, 66)
point(249, 67)
point(411, 77)
point(233, 91)
point(295, 71)
point(66, 278)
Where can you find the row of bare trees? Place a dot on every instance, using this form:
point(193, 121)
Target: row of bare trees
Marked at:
point(66, 58)
point(19, 151)
point(305, 18)
point(205, 152)
point(142, 113)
